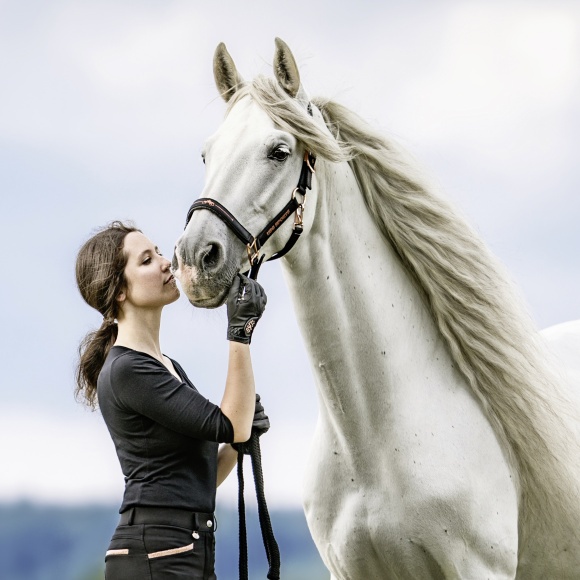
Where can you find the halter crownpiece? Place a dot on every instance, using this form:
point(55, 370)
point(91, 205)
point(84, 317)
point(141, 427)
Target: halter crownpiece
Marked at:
point(254, 244)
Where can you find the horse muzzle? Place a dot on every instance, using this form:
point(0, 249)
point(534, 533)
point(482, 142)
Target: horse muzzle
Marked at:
point(204, 270)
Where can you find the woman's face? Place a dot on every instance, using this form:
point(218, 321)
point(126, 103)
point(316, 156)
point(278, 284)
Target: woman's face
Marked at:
point(150, 283)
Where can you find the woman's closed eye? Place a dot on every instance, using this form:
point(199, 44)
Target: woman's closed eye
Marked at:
point(147, 259)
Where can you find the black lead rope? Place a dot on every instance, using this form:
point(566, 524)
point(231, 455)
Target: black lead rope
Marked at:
point(270, 544)
point(253, 245)
point(243, 537)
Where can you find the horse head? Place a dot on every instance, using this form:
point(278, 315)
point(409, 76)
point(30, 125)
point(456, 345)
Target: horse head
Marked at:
point(252, 169)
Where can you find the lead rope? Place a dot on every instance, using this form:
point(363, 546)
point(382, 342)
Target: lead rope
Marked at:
point(270, 544)
point(243, 539)
point(253, 245)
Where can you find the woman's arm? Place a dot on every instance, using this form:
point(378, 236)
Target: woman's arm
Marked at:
point(245, 303)
point(239, 400)
point(227, 459)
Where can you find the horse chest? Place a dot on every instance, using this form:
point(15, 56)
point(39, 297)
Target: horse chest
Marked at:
point(369, 494)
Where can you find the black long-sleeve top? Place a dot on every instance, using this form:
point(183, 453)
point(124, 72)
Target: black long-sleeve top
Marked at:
point(165, 432)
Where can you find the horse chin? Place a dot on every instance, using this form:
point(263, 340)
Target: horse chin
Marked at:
point(207, 291)
point(212, 302)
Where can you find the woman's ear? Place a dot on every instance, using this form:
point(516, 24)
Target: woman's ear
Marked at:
point(121, 297)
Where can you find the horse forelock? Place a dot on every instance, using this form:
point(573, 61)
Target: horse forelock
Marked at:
point(292, 115)
point(488, 332)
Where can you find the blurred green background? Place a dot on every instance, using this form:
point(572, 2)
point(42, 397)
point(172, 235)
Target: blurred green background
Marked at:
point(42, 542)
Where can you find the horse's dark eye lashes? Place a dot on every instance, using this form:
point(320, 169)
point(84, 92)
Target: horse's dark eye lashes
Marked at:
point(280, 153)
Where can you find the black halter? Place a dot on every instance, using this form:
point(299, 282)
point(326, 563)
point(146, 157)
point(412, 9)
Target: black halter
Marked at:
point(254, 244)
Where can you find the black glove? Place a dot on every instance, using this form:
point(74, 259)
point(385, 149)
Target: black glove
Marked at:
point(260, 425)
point(246, 302)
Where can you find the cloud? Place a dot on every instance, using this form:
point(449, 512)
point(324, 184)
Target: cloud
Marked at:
point(107, 105)
point(72, 460)
point(57, 459)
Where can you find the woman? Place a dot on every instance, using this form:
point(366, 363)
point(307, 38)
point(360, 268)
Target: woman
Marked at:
point(166, 434)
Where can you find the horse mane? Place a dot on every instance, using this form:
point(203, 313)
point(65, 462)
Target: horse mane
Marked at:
point(479, 314)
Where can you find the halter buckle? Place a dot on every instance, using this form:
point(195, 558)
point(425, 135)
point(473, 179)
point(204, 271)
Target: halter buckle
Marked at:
point(253, 251)
point(299, 213)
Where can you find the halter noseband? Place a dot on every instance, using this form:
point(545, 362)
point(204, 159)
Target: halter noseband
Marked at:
point(254, 244)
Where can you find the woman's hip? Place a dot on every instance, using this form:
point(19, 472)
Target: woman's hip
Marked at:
point(149, 544)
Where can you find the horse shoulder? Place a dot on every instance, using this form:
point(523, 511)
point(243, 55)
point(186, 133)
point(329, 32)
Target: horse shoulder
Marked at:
point(407, 505)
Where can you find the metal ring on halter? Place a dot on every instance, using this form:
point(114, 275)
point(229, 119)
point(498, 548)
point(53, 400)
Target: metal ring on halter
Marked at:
point(302, 193)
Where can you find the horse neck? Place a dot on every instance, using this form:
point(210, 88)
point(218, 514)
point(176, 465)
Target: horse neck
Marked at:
point(364, 323)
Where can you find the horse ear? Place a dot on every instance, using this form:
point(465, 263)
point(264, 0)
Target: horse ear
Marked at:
point(285, 68)
point(227, 78)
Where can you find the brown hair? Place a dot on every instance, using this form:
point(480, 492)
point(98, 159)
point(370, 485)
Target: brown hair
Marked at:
point(100, 268)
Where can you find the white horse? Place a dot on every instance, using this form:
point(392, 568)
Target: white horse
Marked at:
point(446, 446)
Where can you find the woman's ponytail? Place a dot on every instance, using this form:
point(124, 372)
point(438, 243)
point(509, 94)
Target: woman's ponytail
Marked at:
point(93, 351)
point(100, 277)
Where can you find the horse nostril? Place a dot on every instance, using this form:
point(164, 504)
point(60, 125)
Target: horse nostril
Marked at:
point(212, 257)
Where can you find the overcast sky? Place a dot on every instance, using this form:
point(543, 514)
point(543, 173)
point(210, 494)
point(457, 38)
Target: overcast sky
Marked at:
point(104, 109)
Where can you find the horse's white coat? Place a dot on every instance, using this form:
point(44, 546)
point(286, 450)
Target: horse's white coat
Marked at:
point(407, 478)
point(401, 440)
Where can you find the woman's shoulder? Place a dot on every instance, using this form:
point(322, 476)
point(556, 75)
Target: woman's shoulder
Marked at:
point(122, 360)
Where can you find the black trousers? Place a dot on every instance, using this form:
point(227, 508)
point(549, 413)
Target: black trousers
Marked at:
point(162, 544)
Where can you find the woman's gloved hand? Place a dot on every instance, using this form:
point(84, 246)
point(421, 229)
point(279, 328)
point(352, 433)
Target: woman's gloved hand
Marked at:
point(246, 302)
point(260, 425)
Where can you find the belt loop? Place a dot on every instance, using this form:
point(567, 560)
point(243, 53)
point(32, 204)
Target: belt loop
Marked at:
point(195, 522)
point(131, 515)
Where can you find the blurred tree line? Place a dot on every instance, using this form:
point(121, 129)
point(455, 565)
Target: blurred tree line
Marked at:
point(39, 542)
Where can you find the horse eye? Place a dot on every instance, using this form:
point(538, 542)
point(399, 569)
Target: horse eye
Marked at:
point(203, 158)
point(281, 153)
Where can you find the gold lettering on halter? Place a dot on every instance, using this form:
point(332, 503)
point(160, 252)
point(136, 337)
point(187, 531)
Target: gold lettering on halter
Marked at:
point(277, 224)
point(208, 202)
